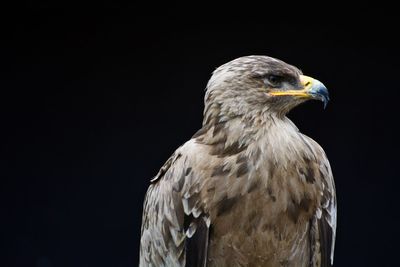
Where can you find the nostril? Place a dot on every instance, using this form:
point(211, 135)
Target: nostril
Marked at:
point(307, 83)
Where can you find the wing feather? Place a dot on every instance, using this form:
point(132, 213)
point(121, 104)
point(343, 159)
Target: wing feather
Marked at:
point(323, 226)
point(174, 229)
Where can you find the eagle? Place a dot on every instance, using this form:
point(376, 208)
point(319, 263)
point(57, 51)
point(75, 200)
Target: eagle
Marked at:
point(248, 189)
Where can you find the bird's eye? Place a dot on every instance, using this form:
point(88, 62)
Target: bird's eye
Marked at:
point(273, 80)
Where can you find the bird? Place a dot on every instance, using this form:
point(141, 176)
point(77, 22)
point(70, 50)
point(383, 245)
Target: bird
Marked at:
point(248, 189)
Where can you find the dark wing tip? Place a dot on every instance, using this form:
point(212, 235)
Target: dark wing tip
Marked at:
point(196, 246)
point(326, 239)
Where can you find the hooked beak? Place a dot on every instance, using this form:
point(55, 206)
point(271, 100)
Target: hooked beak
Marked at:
point(311, 89)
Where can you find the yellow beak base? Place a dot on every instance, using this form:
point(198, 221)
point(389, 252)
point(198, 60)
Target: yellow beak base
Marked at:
point(312, 89)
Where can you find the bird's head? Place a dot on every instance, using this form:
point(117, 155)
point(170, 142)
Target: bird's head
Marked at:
point(259, 84)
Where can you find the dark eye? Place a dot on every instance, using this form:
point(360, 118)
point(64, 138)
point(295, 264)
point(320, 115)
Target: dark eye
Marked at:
point(273, 80)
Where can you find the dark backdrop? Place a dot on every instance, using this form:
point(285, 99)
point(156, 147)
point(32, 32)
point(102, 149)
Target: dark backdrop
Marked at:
point(93, 103)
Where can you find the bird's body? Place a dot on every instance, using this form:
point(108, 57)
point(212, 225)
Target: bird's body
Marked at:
point(247, 190)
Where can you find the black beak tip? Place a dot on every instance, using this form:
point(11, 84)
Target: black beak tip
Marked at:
point(320, 92)
point(325, 101)
point(325, 98)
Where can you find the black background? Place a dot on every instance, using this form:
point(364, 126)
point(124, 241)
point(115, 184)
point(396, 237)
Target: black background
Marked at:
point(93, 103)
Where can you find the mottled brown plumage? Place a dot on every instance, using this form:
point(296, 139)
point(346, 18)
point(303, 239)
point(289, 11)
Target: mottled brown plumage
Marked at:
point(248, 189)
